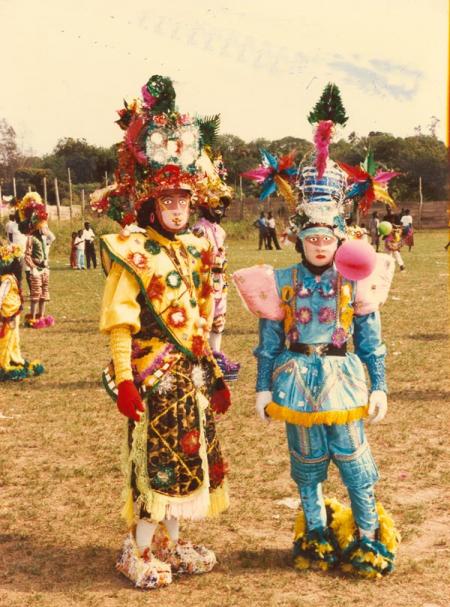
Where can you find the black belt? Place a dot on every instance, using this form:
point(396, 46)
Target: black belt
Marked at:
point(319, 349)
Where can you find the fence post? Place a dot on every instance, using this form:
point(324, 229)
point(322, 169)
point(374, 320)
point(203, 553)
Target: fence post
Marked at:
point(58, 204)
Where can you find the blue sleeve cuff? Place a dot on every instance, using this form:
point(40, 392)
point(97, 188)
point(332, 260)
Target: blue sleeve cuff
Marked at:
point(377, 372)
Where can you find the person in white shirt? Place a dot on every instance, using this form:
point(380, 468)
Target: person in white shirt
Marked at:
point(407, 229)
point(79, 243)
point(272, 232)
point(12, 229)
point(89, 247)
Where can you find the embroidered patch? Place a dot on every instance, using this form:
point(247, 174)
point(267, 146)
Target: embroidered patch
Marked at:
point(193, 251)
point(152, 247)
point(173, 279)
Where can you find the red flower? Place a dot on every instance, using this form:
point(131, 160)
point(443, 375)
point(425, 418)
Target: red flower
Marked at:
point(217, 472)
point(177, 317)
point(221, 397)
point(156, 288)
point(206, 290)
point(198, 345)
point(190, 443)
point(138, 259)
point(127, 219)
point(207, 258)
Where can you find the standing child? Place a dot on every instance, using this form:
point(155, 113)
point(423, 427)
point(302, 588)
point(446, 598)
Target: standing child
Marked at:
point(78, 243)
point(33, 223)
point(12, 364)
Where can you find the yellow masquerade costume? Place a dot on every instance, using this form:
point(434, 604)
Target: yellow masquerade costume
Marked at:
point(158, 311)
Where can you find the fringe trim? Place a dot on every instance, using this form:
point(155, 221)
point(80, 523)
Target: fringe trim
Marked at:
point(368, 558)
point(193, 507)
point(311, 418)
point(19, 372)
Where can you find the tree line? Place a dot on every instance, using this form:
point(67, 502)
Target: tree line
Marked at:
point(417, 156)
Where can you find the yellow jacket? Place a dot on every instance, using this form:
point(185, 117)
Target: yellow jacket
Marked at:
point(171, 279)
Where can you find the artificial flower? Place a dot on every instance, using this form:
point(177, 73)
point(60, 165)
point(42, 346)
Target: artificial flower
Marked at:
point(304, 315)
point(198, 345)
point(339, 337)
point(207, 258)
point(152, 247)
point(327, 314)
point(138, 259)
point(190, 442)
point(173, 279)
point(156, 288)
point(177, 317)
point(217, 472)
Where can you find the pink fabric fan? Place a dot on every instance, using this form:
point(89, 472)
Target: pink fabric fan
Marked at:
point(258, 291)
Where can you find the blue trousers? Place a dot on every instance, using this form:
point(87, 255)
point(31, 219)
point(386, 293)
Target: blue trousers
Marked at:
point(312, 449)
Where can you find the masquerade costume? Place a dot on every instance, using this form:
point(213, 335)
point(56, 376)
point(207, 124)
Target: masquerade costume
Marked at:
point(12, 365)
point(214, 198)
point(157, 309)
point(307, 378)
point(33, 223)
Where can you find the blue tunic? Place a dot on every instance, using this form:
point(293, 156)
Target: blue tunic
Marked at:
point(314, 383)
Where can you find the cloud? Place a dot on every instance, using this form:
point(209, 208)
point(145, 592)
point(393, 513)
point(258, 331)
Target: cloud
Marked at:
point(383, 78)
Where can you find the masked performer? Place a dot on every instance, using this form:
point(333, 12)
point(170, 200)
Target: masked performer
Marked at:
point(307, 377)
point(33, 223)
point(12, 364)
point(214, 199)
point(157, 310)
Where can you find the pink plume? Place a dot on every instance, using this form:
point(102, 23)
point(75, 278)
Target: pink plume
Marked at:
point(258, 175)
point(148, 98)
point(131, 136)
point(385, 176)
point(322, 138)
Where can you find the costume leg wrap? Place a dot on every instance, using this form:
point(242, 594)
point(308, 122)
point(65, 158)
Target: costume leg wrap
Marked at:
point(313, 506)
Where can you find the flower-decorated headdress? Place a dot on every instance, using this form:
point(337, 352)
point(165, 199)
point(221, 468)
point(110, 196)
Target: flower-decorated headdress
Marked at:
point(212, 188)
point(321, 182)
point(31, 211)
point(8, 253)
point(160, 150)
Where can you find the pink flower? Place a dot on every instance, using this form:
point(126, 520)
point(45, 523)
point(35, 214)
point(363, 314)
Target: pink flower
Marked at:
point(339, 337)
point(184, 119)
point(303, 315)
point(327, 315)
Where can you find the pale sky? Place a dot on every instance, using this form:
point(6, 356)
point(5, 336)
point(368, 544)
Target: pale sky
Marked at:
point(66, 65)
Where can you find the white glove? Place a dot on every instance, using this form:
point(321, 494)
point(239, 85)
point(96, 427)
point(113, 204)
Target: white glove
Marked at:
point(262, 400)
point(377, 406)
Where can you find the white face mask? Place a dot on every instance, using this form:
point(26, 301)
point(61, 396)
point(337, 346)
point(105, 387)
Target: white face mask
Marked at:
point(320, 249)
point(172, 210)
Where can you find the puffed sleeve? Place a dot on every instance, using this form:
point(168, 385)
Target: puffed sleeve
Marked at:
point(271, 344)
point(120, 306)
point(370, 348)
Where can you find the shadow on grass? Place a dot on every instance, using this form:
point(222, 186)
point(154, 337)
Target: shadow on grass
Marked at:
point(266, 559)
point(30, 566)
point(76, 383)
point(421, 395)
point(429, 336)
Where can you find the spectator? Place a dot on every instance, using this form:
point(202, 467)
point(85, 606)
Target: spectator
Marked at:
point(271, 228)
point(389, 216)
point(73, 252)
point(12, 229)
point(261, 224)
point(373, 230)
point(407, 229)
point(78, 243)
point(89, 247)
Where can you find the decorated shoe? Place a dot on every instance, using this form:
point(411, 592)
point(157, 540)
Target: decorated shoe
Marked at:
point(183, 557)
point(372, 558)
point(145, 571)
point(316, 549)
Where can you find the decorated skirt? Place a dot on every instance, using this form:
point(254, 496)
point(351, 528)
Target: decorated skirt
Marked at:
point(174, 463)
point(314, 389)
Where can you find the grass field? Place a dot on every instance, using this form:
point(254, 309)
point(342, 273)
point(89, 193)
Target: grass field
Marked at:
point(60, 479)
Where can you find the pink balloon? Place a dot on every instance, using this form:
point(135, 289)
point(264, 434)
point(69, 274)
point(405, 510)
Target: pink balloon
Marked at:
point(355, 259)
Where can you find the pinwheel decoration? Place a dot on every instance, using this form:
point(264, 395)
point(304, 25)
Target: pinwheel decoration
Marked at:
point(275, 175)
point(369, 183)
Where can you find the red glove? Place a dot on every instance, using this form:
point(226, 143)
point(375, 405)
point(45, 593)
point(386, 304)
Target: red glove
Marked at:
point(128, 400)
point(221, 397)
